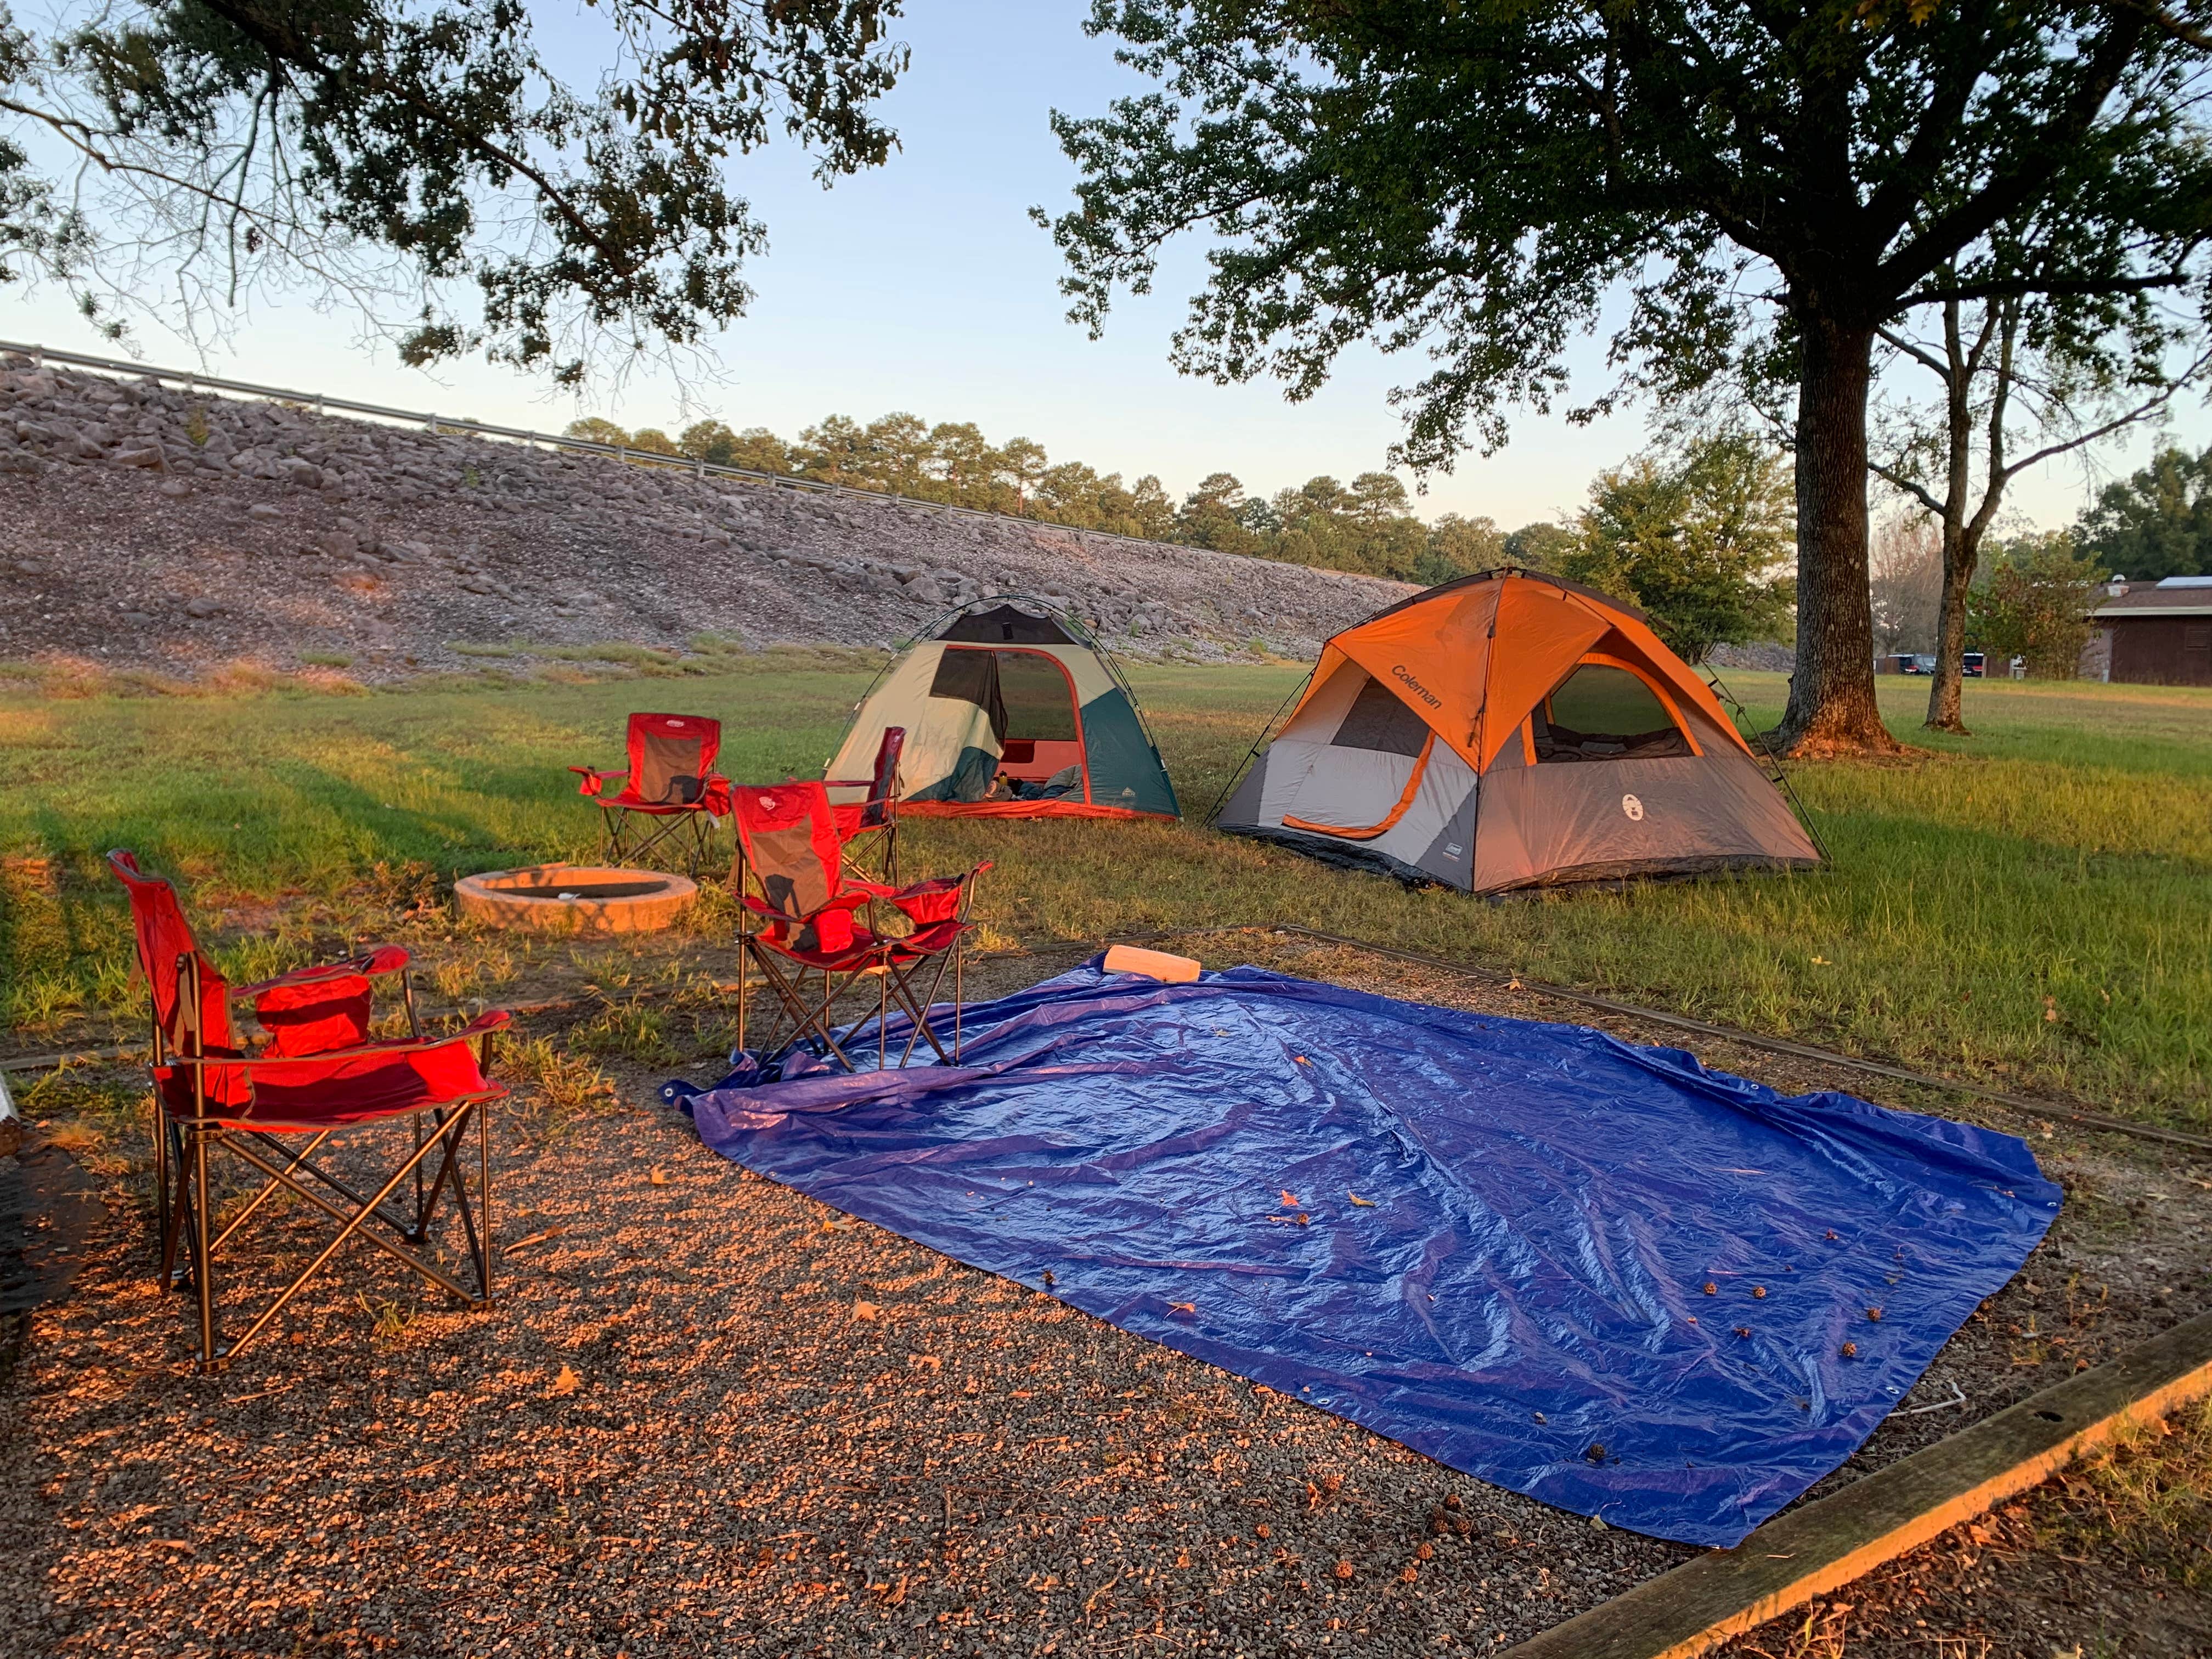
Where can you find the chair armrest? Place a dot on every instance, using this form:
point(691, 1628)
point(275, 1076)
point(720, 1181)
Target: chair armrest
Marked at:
point(939, 899)
point(383, 959)
point(595, 778)
point(491, 1019)
point(850, 899)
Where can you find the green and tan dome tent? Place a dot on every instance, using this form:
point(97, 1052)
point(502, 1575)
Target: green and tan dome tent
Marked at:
point(1513, 729)
point(1010, 709)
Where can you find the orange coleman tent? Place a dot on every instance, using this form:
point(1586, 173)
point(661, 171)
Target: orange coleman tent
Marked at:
point(1512, 730)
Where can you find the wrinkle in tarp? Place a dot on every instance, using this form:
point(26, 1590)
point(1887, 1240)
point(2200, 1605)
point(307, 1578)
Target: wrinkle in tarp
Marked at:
point(1489, 1239)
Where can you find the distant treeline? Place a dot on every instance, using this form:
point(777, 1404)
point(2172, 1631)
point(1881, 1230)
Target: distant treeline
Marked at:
point(1699, 536)
point(1367, 525)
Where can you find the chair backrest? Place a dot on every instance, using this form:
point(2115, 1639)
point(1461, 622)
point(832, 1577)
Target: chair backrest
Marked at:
point(883, 787)
point(669, 756)
point(789, 838)
point(165, 943)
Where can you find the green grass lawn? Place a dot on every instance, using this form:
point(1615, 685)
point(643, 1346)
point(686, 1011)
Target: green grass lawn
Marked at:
point(2031, 906)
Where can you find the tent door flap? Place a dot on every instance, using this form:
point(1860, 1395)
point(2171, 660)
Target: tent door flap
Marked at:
point(1369, 832)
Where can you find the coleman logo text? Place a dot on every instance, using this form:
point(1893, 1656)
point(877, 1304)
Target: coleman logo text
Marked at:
point(1402, 674)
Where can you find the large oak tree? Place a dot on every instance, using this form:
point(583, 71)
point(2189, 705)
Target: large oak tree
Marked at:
point(1480, 177)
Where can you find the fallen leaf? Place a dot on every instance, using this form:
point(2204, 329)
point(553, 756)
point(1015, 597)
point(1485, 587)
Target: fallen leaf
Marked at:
point(1182, 1307)
point(863, 1311)
point(1301, 1060)
point(659, 1176)
point(1343, 1569)
point(1364, 1203)
point(1290, 1200)
point(568, 1382)
point(1512, 984)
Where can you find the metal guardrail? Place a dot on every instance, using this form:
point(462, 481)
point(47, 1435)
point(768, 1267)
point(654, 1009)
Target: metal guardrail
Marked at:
point(437, 424)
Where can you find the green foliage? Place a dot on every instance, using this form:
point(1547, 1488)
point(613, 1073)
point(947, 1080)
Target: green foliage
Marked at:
point(2035, 603)
point(1540, 546)
point(1474, 181)
point(592, 430)
point(1460, 546)
point(393, 154)
point(2156, 524)
point(1696, 541)
point(1369, 526)
point(755, 449)
point(654, 442)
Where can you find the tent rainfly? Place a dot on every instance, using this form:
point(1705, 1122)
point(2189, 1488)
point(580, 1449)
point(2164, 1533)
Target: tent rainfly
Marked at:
point(1011, 713)
point(1513, 729)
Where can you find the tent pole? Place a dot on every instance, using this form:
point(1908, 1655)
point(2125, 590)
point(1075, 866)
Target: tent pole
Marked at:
point(1214, 810)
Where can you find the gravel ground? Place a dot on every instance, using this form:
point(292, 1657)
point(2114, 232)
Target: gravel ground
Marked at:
point(709, 1414)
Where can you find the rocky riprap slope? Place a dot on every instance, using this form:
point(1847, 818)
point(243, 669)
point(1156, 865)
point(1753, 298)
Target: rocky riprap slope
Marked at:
point(145, 527)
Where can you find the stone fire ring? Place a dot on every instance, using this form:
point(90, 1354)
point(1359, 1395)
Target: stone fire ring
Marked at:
point(576, 898)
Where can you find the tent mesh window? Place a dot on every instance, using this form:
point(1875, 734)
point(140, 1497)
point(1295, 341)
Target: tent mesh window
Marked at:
point(1039, 705)
point(1378, 721)
point(972, 677)
point(1603, 713)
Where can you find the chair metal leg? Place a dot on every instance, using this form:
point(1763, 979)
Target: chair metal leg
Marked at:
point(179, 1208)
point(203, 1253)
point(160, 1129)
point(484, 1200)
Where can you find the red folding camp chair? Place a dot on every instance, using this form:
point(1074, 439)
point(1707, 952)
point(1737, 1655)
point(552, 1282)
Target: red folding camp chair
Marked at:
point(868, 828)
point(319, 1074)
point(806, 917)
point(670, 790)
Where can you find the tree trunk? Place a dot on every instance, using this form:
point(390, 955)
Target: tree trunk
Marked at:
point(1944, 713)
point(1831, 696)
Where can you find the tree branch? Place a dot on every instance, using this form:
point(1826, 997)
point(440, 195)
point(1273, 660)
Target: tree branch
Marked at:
point(2062, 286)
point(1897, 480)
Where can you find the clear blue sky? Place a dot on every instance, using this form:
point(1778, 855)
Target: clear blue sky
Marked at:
point(924, 287)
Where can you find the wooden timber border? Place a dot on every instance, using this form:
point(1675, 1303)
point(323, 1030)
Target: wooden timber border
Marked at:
point(1826, 1545)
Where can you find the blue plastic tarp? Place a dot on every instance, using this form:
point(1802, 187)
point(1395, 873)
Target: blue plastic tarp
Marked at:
point(1490, 1239)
